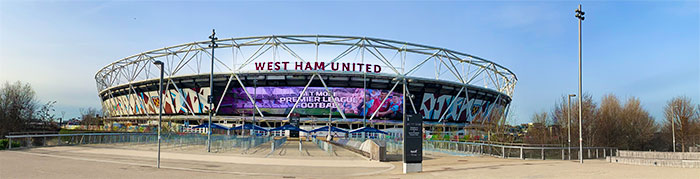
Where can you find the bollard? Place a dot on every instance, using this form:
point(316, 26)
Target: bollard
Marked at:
point(9, 145)
point(596, 153)
point(562, 154)
point(300, 146)
point(604, 152)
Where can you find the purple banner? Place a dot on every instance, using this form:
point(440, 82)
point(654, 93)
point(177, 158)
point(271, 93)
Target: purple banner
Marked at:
point(316, 101)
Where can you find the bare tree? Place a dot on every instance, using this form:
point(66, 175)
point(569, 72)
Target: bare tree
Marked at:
point(681, 111)
point(607, 124)
point(561, 117)
point(45, 113)
point(17, 107)
point(540, 118)
point(537, 132)
point(90, 117)
point(589, 109)
point(637, 126)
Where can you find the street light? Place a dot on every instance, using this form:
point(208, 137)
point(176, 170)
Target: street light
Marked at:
point(160, 105)
point(210, 98)
point(569, 121)
point(579, 15)
point(673, 127)
point(255, 103)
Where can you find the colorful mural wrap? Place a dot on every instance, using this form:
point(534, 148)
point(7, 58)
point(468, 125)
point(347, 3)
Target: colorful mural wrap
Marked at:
point(180, 101)
point(316, 101)
point(278, 101)
point(433, 106)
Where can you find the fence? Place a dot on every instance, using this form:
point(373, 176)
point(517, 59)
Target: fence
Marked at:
point(227, 143)
point(518, 151)
point(169, 141)
point(26, 141)
point(277, 143)
point(505, 150)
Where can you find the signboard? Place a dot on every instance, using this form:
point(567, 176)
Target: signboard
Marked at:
point(413, 139)
point(294, 120)
point(323, 66)
point(316, 101)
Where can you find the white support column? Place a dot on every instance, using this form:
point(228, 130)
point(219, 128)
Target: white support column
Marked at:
point(333, 96)
point(384, 100)
point(301, 95)
point(248, 94)
point(223, 93)
point(450, 105)
point(182, 97)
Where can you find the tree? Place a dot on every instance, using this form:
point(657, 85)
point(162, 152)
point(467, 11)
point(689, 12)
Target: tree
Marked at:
point(89, 117)
point(537, 132)
point(687, 125)
point(561, 117)
point(45, 113)
point(540, 118)
point(637, 126)
point(607, 124)
point(17, 107)
point(613, 124)
point(589, 109)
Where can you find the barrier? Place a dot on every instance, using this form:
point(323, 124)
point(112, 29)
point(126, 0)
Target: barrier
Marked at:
point(220, 143)
point(530, 151)
point(663, 159)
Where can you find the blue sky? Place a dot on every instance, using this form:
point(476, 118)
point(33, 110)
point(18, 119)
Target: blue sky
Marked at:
point(648, 50)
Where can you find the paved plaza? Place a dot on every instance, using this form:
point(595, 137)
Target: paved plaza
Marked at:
point(97, 161)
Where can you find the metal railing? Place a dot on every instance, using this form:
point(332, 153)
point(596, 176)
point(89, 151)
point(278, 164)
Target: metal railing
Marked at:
point(277, 143)
point(542, 152)
point(41, 140)
point(505, 150)
point(147, 141)
point(224, 143)
point(324, 145)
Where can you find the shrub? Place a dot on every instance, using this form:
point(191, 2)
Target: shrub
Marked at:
point(3, 144)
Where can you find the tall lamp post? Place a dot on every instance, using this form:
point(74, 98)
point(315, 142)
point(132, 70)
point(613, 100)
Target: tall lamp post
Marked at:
point(210, 99)
point(160, 106)
point(673, 127)
point(579, 15)
point(252, 128)
point(569, 120)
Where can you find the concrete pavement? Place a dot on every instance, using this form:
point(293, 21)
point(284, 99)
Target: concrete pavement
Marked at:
point(93, 162)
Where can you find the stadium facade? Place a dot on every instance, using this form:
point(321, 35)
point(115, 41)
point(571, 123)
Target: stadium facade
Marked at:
point(318, 77)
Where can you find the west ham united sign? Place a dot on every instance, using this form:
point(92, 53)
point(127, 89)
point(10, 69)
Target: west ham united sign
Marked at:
point(323, 66)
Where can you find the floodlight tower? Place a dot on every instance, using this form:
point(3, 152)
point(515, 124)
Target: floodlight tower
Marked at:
point(579, 15)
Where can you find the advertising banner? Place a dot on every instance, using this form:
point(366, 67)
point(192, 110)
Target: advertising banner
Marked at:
point(316, 101)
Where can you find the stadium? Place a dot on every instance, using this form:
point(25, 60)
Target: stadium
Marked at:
point(320, 79)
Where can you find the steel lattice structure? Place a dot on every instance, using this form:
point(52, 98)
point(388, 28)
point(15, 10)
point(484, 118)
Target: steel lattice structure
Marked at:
point(237, 56)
